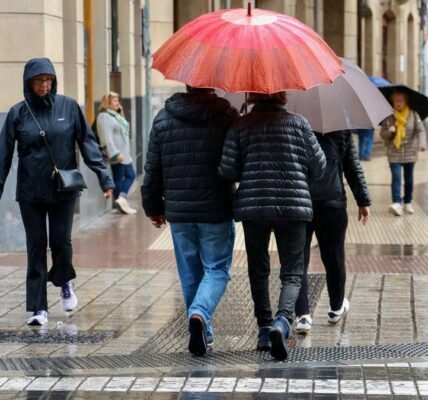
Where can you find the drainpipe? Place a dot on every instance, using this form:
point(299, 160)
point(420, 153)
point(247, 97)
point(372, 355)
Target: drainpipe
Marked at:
point(115, 74)
point(147, 117)
point(89, 89)
point(422, 8)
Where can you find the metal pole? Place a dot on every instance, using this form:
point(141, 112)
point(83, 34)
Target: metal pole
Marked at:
point(317, 13)
point(228, 4)
point(147, 117)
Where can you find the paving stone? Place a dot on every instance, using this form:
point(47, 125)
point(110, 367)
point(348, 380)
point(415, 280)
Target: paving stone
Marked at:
point(15, 384)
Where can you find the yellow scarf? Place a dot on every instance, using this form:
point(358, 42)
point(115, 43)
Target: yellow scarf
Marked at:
point(400, 123)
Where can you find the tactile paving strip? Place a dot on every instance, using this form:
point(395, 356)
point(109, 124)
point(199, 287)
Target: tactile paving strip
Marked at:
point(216, 358)
point(234, 324)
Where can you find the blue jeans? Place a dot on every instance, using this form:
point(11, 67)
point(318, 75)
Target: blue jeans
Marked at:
point(396, 182)
point(204, 256)
point(123, 176)
point(365, 143)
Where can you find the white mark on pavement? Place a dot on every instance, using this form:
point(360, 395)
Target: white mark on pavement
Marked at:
point(222, 385)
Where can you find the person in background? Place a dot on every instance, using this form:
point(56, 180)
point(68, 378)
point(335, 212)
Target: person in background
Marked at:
point(365, 143)
point(331, 221)
point(113, 132)
point(404, 137)
point(36, 192)
point(273, 154)
point(181, 185)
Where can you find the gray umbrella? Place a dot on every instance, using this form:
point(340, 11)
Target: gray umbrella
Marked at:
point(350, 102)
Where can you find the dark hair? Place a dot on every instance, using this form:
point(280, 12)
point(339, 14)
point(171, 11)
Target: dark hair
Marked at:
point(194, 90)
point(278, 98)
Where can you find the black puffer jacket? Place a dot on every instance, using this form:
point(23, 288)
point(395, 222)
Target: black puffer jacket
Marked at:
point(64, 123)
point(185, 147)
point(273, 154)
point(341, 145)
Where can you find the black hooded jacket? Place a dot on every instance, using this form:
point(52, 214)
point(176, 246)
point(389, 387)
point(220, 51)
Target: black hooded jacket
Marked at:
point(185, 147)
point(64, 123)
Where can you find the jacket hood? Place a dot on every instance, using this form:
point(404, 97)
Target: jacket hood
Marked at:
point(196, 106)
point(34, 67)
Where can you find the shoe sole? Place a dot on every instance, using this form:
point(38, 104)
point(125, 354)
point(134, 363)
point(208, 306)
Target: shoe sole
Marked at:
point(197, 344)
point(303, 330)
point(279, 347)
point(263, 348)
point(36, 323)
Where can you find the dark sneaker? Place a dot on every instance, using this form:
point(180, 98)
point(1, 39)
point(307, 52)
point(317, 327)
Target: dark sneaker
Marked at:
point(335, 316)
point(278, 335)
point(68, 297)
point(197, 341)
point(264, 343)
point(39, 318)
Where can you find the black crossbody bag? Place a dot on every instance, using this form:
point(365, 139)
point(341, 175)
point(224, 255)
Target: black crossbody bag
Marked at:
point(68, 180)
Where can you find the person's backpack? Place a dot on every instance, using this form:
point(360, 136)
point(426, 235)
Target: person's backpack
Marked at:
point(103, 149)
point(330, 186)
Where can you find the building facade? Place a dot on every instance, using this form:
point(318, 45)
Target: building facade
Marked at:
point(101, 45)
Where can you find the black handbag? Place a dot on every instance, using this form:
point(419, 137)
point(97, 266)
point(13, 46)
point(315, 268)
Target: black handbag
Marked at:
point(68, 180)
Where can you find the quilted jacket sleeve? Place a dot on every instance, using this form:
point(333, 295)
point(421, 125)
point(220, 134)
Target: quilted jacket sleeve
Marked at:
point(354, 173)
point(152, 187)
point(317, 162)
point(230, 165)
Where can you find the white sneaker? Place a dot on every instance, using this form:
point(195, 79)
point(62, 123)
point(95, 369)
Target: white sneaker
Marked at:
point(68, 297)
point(408, 208)
point(123, 205)
point(38, 318)
point(396, 209)
point(304, 324)
point(336, 316)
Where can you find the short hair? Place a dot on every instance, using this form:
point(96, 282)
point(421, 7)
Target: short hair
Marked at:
point(105, 101)
point(277, 98)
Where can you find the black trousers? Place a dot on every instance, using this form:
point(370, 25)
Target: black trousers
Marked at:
point(329, 225)
point(290, 238)
point(60, 221)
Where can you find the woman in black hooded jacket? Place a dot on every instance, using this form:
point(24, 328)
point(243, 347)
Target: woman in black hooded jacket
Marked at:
point(36, 192)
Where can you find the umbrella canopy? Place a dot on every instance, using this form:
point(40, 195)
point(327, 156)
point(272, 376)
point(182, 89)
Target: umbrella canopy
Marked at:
point(378, 81)
point(350, 102)
point(242, 50)
point(417, 101)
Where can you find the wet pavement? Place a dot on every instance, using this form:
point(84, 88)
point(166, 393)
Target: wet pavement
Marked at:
point(128, 337)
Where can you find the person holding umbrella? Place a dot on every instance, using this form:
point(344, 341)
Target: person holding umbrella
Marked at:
point(273, 154)
point(404, 137)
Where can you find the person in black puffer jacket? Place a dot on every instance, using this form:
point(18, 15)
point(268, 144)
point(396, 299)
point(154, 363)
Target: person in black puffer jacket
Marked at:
point(181, 184)
point(273, 154)
point(330, 222)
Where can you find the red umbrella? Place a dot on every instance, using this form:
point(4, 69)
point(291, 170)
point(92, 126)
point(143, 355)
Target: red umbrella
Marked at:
point(242, 50)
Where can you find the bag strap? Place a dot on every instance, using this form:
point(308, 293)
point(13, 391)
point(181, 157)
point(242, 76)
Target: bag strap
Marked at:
point(43, 135)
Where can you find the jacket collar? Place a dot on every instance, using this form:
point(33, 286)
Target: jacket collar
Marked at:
point(268, 107)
